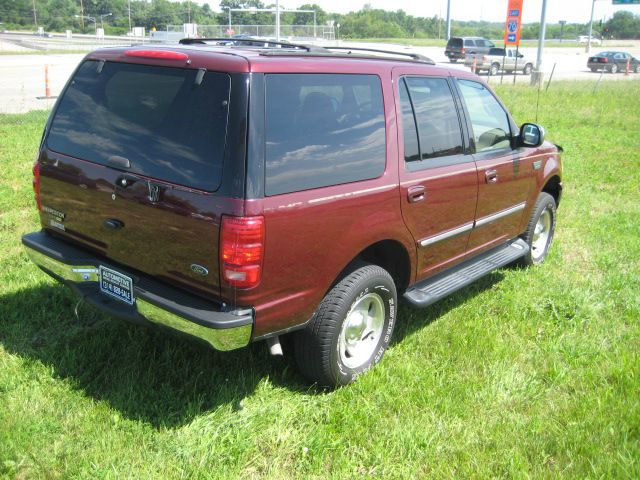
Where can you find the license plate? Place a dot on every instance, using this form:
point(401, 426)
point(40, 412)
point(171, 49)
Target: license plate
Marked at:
point(116, 285)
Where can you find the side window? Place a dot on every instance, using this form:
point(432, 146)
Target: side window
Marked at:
point(489, 120)
point(469, 43)
point(321, 130)
point(430, 119)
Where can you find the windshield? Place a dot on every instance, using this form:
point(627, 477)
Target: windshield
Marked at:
point(163, 121)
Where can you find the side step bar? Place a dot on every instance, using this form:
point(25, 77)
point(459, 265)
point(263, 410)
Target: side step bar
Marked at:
point(441, 285)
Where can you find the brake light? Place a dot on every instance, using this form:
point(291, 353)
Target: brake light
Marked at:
point(160, 54)
point(604, 60)
point(463, 51)
point(241, 250)
point(36, 184)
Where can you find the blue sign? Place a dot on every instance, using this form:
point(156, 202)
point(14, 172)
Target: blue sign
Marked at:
point(512, 26)
point(514, 13)
point(511, 37)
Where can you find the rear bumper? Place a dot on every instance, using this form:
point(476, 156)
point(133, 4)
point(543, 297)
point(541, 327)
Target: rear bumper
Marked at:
point(156, 303)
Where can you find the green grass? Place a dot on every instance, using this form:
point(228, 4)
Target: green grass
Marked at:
point(528, 373)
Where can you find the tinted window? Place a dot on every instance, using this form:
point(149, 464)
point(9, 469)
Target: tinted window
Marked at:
point(497, 51)
point(488, 118)
point(156, 117)
point(469, 43)
point(411, 149)
point(454, 42)
point(438, 129)
point(322, 130)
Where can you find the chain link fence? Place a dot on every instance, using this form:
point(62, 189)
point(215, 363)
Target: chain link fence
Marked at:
point(287, 32)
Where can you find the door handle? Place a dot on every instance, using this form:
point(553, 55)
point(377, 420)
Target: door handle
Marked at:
point(491, 176)
point(417, 193)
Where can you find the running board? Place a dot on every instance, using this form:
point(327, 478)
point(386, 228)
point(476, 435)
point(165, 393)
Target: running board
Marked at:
point(441, 285)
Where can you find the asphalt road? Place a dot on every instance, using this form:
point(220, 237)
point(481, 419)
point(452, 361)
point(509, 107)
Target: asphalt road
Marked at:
point(22, 77)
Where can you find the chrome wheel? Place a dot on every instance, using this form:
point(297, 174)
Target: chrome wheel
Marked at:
point(361, 330)
point(541, 235)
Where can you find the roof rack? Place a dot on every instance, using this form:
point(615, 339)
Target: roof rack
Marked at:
point(414, 56)
point(286, 48)
point(249, 41)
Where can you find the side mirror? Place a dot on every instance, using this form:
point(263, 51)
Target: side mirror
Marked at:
point(531, 135)
point(520, 55)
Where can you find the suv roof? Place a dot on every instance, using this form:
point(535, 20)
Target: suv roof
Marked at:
point(275, 48)
point(245, 57)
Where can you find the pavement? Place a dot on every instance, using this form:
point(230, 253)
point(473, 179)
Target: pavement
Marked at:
point(22, 77)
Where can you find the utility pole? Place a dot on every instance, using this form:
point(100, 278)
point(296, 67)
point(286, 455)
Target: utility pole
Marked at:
point(277, 20)
point(129, 8)
point(35, 17)
point(81, 15)
point(543, 31)
point(593, 7)
point(448, 19)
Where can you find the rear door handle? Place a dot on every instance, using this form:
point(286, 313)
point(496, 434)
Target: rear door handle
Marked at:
point(491, 176)
point(416, 193)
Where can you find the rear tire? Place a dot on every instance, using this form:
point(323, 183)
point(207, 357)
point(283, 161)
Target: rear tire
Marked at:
point(453, 60)
point(540, 230)
point(495, 68)
point(636, 69)
point(528, 68)
point(594, 70)
point(350, 330)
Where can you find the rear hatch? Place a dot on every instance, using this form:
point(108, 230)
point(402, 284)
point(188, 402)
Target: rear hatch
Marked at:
point(132, 168)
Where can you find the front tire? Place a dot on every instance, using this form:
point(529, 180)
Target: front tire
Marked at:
point(350, 330)
point(613, 68)
point(540, 230)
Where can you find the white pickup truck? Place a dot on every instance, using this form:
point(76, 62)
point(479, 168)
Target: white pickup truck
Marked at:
point(497, 59)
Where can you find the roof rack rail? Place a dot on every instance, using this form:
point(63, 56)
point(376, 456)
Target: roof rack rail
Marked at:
point(414, 56)
point(250, 41)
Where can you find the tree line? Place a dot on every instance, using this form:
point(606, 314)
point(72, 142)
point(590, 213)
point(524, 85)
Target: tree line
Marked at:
point(60, 15)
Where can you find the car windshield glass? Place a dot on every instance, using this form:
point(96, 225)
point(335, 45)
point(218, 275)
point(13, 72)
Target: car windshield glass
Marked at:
point(163, 121)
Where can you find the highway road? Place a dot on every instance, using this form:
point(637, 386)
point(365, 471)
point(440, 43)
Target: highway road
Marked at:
point(22, 76)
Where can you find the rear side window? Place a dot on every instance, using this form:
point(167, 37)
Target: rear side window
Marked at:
point(166, 124)
point(469, 43)
point(429, 101)
point(322, 130)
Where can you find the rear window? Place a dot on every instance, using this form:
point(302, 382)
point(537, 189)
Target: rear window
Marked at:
point(166, 123)
point(321, 130)
point(454, 42)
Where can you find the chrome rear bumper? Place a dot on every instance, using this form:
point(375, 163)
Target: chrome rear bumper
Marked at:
point(223, 329)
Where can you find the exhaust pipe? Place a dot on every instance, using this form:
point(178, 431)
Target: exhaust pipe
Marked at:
point(275, 348)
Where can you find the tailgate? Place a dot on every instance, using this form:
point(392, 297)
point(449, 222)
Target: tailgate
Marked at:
point(131, 165)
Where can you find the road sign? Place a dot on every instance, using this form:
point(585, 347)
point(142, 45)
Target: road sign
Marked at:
point(514, 22)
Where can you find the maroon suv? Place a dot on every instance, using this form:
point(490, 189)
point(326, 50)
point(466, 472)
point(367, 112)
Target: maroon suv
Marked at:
point(239, 193)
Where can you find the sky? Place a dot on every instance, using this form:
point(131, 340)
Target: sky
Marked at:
point(490, 10)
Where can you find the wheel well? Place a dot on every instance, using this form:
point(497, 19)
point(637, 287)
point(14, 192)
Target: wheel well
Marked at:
point(393, 257)
point(554, 188)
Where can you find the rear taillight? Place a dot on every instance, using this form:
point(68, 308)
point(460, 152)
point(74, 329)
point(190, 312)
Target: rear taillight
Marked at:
point(463, 51)
point(604, 60)
point(36, 184)
point(241, 250)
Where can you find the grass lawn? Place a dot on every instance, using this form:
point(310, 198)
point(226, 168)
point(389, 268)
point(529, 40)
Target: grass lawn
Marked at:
point(527, 373)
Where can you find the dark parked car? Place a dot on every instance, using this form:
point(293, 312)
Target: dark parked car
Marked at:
point(239, 194)
point(613, 62)
point(459, 47)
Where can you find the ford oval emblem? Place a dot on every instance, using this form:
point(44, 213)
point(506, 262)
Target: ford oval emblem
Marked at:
point(199, 269)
